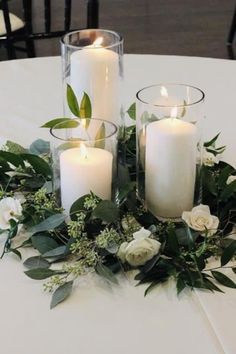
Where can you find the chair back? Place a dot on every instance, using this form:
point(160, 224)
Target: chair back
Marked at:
point(92, 18)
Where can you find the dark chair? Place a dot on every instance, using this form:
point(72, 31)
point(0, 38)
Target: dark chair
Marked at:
point(232, 29)
point(26, 33)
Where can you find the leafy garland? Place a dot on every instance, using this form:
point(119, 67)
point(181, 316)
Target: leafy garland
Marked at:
point(108, 237)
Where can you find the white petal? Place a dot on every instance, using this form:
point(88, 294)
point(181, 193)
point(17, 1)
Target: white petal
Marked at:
point(141, 234)
point(201, 207)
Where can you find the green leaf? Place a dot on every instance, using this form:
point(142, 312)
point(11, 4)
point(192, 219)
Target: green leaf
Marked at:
point(44, 243)
point(223, 279)
point(62, 293)
point(50, 223)
point(184, 109)
point(59, 251)
point(228, 253)
point(234, 270)
point(172, 242)
point(36, 262)
point(39, 147)
point(39, 165)
point(224, 174)
point(78, 206)
point(106, 211)
point(105, 272)
point(229, 190)
point(125, 191)
point(212, 141)
point(14, 159)
point(13, 229)
point(211, 286)
point(151, 287)
point(86, 108)
point(16, 252)
point(180, 284)
point(72, 101)
point(40, 273)
point(61, 123)
point(100, 137)
point(150, 264)
point(132, 111)
point(15, 148)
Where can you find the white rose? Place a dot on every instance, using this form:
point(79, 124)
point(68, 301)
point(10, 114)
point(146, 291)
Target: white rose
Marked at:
point(209, 159)
point(200, 219)
point(10, 208)
point(122, 251)
point(140, 250)
point(230, 179)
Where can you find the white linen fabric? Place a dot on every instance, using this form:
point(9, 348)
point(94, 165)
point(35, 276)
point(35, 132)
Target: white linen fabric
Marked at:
point(16, 23)
point(98, 318)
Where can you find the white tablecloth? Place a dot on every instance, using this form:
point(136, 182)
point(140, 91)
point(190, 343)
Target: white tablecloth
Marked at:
point(98, 319)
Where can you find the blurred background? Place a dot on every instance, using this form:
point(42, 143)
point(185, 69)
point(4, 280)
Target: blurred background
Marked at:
point(173, 27)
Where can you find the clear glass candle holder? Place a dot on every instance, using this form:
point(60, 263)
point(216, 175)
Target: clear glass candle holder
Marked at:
point(84, 156)
point(169, 148)
point(92, 61)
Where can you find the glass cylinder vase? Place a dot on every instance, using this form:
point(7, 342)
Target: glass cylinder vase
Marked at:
point(169, 148)
point(92, 61)
point(84, 155)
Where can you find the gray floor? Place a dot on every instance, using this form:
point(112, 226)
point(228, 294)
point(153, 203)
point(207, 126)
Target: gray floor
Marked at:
point(178, 27)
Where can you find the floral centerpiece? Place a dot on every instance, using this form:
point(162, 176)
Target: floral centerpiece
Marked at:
point(109, 237)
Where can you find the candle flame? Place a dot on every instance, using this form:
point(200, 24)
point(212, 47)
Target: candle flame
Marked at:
point(174, 112)
point(98, 42)
point(83, 151)
point(164, 91)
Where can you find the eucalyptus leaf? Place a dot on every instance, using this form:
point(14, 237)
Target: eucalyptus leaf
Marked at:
point(72, 101)
point(78, 206)
point(61, 293)
point(100, 137)
point(223, 279)
point(36, 262)
point(59, 251)
point(106, 211)
point(40, 273)
point(50, 223)
point(44, 243)
point(132, 111)
point(105, 272)
point(39, 147)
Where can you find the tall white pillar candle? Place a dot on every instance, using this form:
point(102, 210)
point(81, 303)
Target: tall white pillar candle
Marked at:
point(171, 148)
point(85, 171)
point(95, 70)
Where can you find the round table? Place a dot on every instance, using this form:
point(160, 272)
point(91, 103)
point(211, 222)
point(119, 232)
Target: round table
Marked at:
point(98, 318)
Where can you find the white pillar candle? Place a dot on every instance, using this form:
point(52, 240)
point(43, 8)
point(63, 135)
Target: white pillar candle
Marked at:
point(84, 171)
point(171, 148)
point(95, 70)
